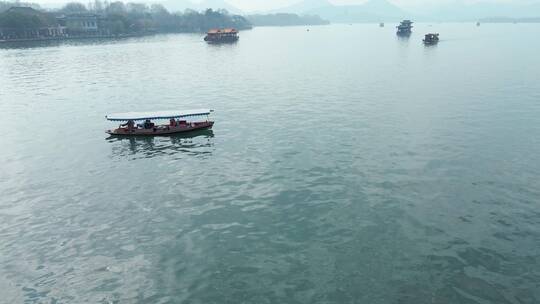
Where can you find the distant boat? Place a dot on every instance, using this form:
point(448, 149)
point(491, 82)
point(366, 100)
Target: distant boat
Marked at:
point(381, 24)
point(404, 28)
point(221, 36)
point(179, 122)
point(431, 38)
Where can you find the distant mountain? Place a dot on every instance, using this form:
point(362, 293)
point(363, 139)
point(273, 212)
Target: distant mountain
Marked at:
point(284, 19)
point(219, 4)
point(382, 7)
point(510, 20)
point(182, 5)
point(303, 7)
point(383, 10)
point(177, 5)
point(371, 11)
point(463, 11)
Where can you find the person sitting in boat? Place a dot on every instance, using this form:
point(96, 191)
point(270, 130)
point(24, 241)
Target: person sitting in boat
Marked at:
point(148, 124)
point(129, 124)
point(172, 122)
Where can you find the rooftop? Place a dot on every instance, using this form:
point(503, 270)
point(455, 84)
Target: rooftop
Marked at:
point(22, 9)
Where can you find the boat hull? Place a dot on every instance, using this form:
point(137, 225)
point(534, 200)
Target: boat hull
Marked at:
point(404, 33)
point(222, 40)
point(161, 130)
point(430, 41)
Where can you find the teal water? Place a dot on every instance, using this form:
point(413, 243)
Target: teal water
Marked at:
point(345, 166)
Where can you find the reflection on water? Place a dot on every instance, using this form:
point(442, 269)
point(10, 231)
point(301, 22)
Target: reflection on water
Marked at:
point(74, 42)
point(430, 45)
point(196, 143)
point(341, 171)
point(403, 40)
point(30, 44)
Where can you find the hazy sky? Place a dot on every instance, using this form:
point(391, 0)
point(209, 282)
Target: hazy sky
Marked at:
point(270, 4)
point(259, 5)
point(405, 2)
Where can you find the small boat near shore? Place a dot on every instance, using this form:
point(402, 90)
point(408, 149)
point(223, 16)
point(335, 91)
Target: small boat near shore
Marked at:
point(179, 122)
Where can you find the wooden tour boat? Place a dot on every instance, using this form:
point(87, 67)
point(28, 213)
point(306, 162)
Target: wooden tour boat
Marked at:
point(404, 28)
point(179, 122)
point(221, 36)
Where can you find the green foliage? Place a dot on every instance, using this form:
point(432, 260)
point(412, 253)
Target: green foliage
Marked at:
point(137, 17)
point(5, 5)
point(116, 8)
point(118, 18)
point(116, 24)
point(73, 8)
point(192, 21)
point(18, 20)
point(28, 20)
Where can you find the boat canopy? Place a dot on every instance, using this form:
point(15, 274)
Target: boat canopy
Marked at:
point(157, 115)
point(222, 31)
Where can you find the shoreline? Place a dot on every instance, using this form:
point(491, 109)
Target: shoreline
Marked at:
point(42, 39)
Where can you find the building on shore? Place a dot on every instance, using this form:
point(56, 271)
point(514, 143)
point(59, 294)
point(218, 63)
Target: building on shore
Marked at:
point(80, 24)
point(7, 33)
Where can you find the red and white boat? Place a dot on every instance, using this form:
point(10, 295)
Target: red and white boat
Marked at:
point(228, 35)
point(141, 123)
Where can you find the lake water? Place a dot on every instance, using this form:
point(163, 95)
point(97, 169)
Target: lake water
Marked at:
point(346, 165)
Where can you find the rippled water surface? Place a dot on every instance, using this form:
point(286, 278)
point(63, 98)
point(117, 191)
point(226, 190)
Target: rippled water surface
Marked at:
point(345, 166)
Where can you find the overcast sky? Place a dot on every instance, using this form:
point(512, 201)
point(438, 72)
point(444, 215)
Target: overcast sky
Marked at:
point(249, 5)
point(261, 5)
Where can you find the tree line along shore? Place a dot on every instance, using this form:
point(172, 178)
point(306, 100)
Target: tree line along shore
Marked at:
point(27, 21)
